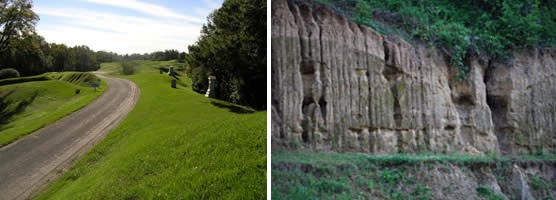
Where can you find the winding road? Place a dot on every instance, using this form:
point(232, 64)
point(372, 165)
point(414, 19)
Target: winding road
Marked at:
point(32, 161)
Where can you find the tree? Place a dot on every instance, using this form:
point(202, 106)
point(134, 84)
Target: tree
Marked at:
point(16, 20)
point(232, 47)
point(26, 56)
point(85, 59)
point(63, 57)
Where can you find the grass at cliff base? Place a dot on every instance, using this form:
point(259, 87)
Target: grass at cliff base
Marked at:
point(329, 175)
point(30, 103)
point(175, 144)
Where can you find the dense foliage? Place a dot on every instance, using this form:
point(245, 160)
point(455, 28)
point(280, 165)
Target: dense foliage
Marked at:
point(32, 55)
point(128, 67)
point(16, 20)
point(166, 55)
point(232, 47)
point(8, 73)
point(489, 28)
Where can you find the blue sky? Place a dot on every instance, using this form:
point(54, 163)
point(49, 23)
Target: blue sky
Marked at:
point(123, 26)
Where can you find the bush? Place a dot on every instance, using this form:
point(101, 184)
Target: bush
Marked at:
point(10, 81)
point(128, 68)
point(8, 73)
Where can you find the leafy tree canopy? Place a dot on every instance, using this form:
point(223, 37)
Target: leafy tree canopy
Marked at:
point(232, 47)
point(17, 19)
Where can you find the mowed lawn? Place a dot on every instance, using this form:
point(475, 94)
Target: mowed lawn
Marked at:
point(175, 144)
point(29, 106)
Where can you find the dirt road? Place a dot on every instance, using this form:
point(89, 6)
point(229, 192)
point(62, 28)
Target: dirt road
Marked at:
point(30, 162)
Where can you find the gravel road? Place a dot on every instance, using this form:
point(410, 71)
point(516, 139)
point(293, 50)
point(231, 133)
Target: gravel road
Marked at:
point(32, 161)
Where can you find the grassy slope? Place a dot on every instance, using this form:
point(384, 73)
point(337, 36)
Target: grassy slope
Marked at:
point(325, 175)
point(41, 103)
point(142, 66)
point(175, 144)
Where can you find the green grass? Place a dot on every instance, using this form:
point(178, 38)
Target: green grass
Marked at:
point(175, 144)
point(141, 66)
point(30, 105)
point(327, 175)
point(397, 159)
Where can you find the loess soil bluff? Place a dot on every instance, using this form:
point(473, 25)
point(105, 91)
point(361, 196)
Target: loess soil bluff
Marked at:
point(343, 87)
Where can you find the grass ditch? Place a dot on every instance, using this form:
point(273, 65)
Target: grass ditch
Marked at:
point(30, 103)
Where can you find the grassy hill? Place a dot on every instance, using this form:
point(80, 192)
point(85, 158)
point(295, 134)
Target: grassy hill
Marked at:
point(30, 103)
point(175, 144)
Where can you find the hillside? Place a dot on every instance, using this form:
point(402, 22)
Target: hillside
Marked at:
point(175, 144)
point(29, 103)
point(347, 88)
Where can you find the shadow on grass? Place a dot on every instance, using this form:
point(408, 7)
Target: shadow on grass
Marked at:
point(11, 108)
point(175, 74)
point(233, 108)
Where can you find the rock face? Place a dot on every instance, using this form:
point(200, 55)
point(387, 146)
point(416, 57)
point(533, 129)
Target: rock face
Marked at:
point(340, 86)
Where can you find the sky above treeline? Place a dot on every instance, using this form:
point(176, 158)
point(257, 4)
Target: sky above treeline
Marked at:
point(123, 26)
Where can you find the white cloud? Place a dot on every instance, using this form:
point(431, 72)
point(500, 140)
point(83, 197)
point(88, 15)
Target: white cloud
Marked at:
point(161, 28)
point(148, 8)
point(118, 33)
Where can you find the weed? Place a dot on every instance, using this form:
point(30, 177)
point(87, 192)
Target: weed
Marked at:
point(537, 183)
point(486, 192)
point(421, 192)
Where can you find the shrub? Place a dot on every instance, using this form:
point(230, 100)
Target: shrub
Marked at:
point(486, 192)
point(538, 183)
point(8, 73)
point(128, 68)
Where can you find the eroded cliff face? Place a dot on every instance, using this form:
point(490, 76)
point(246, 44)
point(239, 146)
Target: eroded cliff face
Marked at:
point(340, 86)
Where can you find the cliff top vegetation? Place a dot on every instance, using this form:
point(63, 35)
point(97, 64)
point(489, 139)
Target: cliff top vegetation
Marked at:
point(490, 29)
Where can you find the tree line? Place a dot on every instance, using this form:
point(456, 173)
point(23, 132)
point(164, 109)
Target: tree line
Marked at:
point(23, 49)
point(32, 55)
point(232, 47)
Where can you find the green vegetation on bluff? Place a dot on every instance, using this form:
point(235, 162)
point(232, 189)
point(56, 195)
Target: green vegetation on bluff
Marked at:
point(175, 144)
point(30, 103)
point(325, 175)
point(489, 28)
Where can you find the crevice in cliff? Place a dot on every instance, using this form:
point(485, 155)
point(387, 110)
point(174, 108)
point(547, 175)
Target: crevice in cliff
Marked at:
point(392, 74)
point(322, 105)
point(498, 105)
point(397, 107)
point(307, 70)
